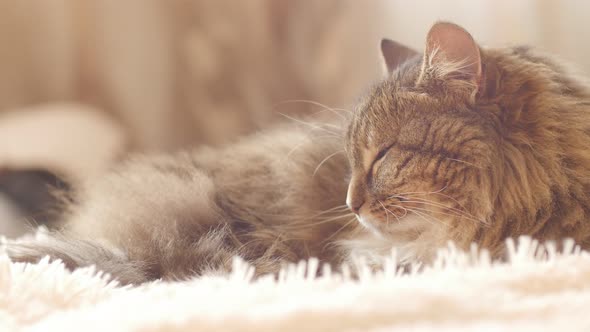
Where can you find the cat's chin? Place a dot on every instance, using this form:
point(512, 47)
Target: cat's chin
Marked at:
point(406, 227)
point(413, 237)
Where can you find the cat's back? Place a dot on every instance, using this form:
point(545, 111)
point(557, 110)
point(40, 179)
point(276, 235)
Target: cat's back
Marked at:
point(540, 106)
point(288, 170)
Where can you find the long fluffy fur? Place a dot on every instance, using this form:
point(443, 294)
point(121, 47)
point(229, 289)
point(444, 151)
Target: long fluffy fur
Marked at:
point(512, 161)
point(489, 157)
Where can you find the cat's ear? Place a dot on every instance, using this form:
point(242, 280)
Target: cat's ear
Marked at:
point(451, 53)
point(394, 54)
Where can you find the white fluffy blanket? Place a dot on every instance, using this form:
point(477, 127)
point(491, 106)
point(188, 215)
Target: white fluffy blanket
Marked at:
point(536, 290)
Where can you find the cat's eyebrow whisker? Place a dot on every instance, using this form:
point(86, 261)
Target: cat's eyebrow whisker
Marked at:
point(464, 162)
point(307, 138)
point(315, 103)
point(340, 115)
point(326, 136)
point(312, 125)
point(325, 159)
point(332, 126)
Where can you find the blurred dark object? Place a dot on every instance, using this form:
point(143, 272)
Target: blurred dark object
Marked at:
point(37, 194)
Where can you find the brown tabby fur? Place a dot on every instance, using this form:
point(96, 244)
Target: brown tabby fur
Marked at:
point(442, 149)
point(511, 160)
point(173, 217)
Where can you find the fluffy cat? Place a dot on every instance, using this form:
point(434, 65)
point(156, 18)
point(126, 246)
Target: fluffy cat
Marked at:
point(479, 144)
point(463, 144)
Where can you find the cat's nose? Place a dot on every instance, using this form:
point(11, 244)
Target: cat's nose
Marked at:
point(354, 204)
point(355, 197)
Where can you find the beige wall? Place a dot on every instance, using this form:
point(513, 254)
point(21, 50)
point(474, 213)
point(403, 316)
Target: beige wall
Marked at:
point(178, 72)
point(561, 27)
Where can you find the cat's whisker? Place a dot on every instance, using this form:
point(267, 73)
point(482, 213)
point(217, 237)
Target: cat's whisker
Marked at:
point(325, 160)
point(406, 198)
point(339, 230)
point(386, 213)
point(445, 208)
point(462, 210)
point(411, 199)
point(457, 212)
point(388, 210)
point(337, 127)
point(453, 199)
point(399, 207)
point(321, 222)
point(320, 215)
point(423, 216)
point(334, 209)
point(438, 192)
point(429, 211)
point(449, 210)
point(433, 203)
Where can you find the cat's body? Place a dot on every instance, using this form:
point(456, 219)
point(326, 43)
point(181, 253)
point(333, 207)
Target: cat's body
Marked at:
point(276, 196)
point(461, 144)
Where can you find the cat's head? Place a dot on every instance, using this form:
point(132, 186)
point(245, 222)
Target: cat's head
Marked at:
point(421, 156)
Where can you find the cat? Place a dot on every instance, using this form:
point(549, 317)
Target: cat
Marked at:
point(461, 144)
point(172, 217)
point(479, 144)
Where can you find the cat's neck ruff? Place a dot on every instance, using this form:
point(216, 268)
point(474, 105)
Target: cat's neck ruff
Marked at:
point(413, 239)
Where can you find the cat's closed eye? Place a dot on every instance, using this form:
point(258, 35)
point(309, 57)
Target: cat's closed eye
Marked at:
point(379, 158)
point(381, 154)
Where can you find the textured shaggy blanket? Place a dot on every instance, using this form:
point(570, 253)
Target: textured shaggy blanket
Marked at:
point(537, 289)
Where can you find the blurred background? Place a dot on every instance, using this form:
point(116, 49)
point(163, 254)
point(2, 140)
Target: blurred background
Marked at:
point(83, 82)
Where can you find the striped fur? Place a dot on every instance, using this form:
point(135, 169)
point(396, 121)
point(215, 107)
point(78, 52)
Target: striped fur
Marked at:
point(436, 152)
point(477, 160)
